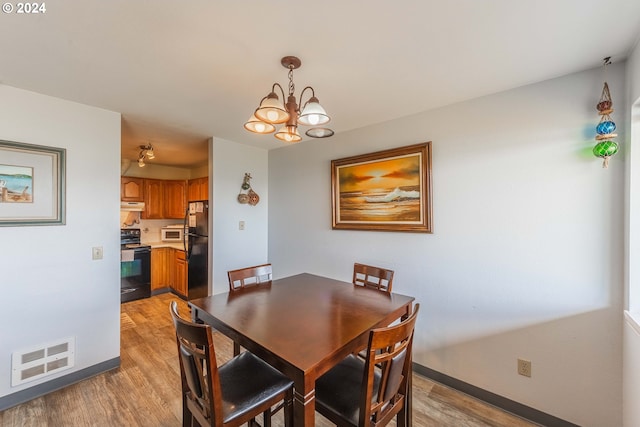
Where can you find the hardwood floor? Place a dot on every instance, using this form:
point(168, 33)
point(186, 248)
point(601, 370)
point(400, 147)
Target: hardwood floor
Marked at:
point(145, 390)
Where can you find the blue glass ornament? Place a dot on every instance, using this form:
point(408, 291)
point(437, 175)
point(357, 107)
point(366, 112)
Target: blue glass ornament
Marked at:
point(605, 127)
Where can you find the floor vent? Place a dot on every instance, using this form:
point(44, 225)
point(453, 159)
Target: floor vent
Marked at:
point(41, 361)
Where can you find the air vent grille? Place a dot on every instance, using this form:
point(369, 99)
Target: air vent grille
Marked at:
point(41, 361)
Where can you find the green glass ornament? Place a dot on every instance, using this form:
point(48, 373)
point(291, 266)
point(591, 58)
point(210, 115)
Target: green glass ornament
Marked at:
point(605, 149)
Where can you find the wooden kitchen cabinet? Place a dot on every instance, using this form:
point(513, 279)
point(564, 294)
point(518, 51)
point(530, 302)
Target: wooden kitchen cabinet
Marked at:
point(199, 189)
point(164, 199)
point(161, 262)
point(153, 199)
point(180, 282)
point(131, 189)
point(175, 199)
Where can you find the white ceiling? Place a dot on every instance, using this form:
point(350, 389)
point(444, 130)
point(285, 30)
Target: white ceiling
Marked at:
point(183, 71)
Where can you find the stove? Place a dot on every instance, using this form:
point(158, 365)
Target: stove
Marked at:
point(135, 266)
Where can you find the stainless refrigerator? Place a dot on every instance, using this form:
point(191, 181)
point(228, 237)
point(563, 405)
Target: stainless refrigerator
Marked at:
point(196, 244)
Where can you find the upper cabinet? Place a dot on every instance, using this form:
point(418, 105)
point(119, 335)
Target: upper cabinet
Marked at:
point(199, 189)
point(131, 189)
point(175, 199)
point(164, 199)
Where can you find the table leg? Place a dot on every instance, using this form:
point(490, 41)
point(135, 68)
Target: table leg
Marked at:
point(304, 406)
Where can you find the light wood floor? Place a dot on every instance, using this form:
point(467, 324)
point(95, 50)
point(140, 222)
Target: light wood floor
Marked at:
point(145, 390)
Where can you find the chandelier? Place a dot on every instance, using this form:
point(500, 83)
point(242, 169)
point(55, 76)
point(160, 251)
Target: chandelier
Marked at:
point(146, 152)
point(272, 111)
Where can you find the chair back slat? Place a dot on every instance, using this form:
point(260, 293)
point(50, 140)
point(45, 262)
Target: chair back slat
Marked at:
point(372, 277)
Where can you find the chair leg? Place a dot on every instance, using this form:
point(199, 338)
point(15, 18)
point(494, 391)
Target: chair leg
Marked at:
point(288, 409)
point(236, 349)
point(266, 418)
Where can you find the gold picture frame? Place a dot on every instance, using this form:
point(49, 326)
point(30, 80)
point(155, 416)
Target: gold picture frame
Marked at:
point(387, 190)
point(32, 184)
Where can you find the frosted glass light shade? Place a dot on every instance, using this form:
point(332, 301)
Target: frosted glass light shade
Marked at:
point(288, 133)
point(313, 114)
point(319, 133)
point(271, 110)
point(256, 125)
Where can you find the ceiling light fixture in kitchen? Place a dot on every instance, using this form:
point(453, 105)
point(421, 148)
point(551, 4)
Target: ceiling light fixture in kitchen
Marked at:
point(146, 151)
point(272, 111)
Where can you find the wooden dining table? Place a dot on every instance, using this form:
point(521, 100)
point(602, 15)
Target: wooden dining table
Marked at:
point(302, 325)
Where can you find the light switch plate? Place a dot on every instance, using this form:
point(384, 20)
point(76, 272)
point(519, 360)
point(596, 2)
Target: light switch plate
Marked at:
point(96, 252)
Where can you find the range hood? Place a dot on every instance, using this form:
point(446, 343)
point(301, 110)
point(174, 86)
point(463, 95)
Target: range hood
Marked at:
point(132, 206)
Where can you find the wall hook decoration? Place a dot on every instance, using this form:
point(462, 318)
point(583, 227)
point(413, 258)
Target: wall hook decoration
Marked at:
point(250, 197)
point(606, 147)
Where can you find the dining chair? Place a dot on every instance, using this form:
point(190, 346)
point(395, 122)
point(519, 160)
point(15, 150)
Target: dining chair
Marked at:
point(373, 277)
point(231, 394)
point(373, 391)
point(247, 277)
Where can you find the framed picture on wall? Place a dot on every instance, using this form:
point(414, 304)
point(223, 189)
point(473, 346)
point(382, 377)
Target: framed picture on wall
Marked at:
point(32, 184)
point(387, 190)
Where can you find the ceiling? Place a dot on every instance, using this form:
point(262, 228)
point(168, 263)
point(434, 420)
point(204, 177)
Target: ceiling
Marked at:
point(182, 72)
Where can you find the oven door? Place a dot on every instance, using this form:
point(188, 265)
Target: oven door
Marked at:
point(135, 275)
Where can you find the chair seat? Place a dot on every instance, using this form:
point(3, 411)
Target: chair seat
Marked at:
point(338, 391)
point(247, 382)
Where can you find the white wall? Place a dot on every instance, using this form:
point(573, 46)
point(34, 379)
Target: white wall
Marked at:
point(51, 288)
point(233, 248)
point(526, 256)
point(631, 372)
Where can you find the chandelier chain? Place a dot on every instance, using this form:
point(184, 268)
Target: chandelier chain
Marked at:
point(292, 87)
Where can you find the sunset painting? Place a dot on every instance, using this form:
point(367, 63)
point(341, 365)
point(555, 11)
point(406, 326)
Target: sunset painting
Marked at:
point(380, 192)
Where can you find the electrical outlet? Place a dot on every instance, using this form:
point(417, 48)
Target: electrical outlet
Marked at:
point(96, 252)
point(524, 367)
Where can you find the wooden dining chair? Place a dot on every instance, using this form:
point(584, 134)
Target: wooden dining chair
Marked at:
point(373, 391)
point(229, 395)
point(372, 277)
point(247, 277)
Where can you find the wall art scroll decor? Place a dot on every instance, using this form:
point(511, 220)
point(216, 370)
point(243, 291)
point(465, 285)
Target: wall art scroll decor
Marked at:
point(32, 184)
point(250, 197)
point(606, 147)
point(384, 191)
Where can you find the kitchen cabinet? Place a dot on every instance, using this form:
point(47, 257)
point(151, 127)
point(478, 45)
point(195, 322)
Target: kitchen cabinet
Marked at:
point(153, 199)
point(164, 199)
point(199, 189)
point(175, 199)
point(161, 262)
point(131, 189)
point(180, 282)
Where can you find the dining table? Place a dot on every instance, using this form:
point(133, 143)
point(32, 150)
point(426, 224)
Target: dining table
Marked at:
point(303, 325)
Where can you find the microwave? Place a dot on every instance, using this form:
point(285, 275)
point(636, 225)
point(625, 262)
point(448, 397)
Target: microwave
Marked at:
point(172, 234)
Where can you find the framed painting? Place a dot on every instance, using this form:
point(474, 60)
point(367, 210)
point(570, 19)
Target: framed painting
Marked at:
point(384, 191)
point(32, 184)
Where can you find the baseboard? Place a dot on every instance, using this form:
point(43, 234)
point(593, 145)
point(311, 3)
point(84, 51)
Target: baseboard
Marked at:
point(30, 393)
point(503, 403)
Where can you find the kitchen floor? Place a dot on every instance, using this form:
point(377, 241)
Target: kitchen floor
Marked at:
point(145, 390)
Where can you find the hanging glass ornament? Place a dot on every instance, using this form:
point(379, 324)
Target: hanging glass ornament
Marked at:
point(606, 147)
point(251, 197)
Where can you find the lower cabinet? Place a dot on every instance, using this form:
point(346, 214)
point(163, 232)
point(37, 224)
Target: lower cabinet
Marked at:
point(169, 270)
point(161, 260)
point(180, 284)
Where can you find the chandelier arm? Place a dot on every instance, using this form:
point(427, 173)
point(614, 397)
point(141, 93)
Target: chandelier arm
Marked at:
point(313, 94)
point(273, 89)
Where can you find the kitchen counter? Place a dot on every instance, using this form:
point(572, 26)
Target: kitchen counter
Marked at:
point(174, 245)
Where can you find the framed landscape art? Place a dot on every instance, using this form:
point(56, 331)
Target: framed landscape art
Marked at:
point(384, 191)
point(32, 184)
